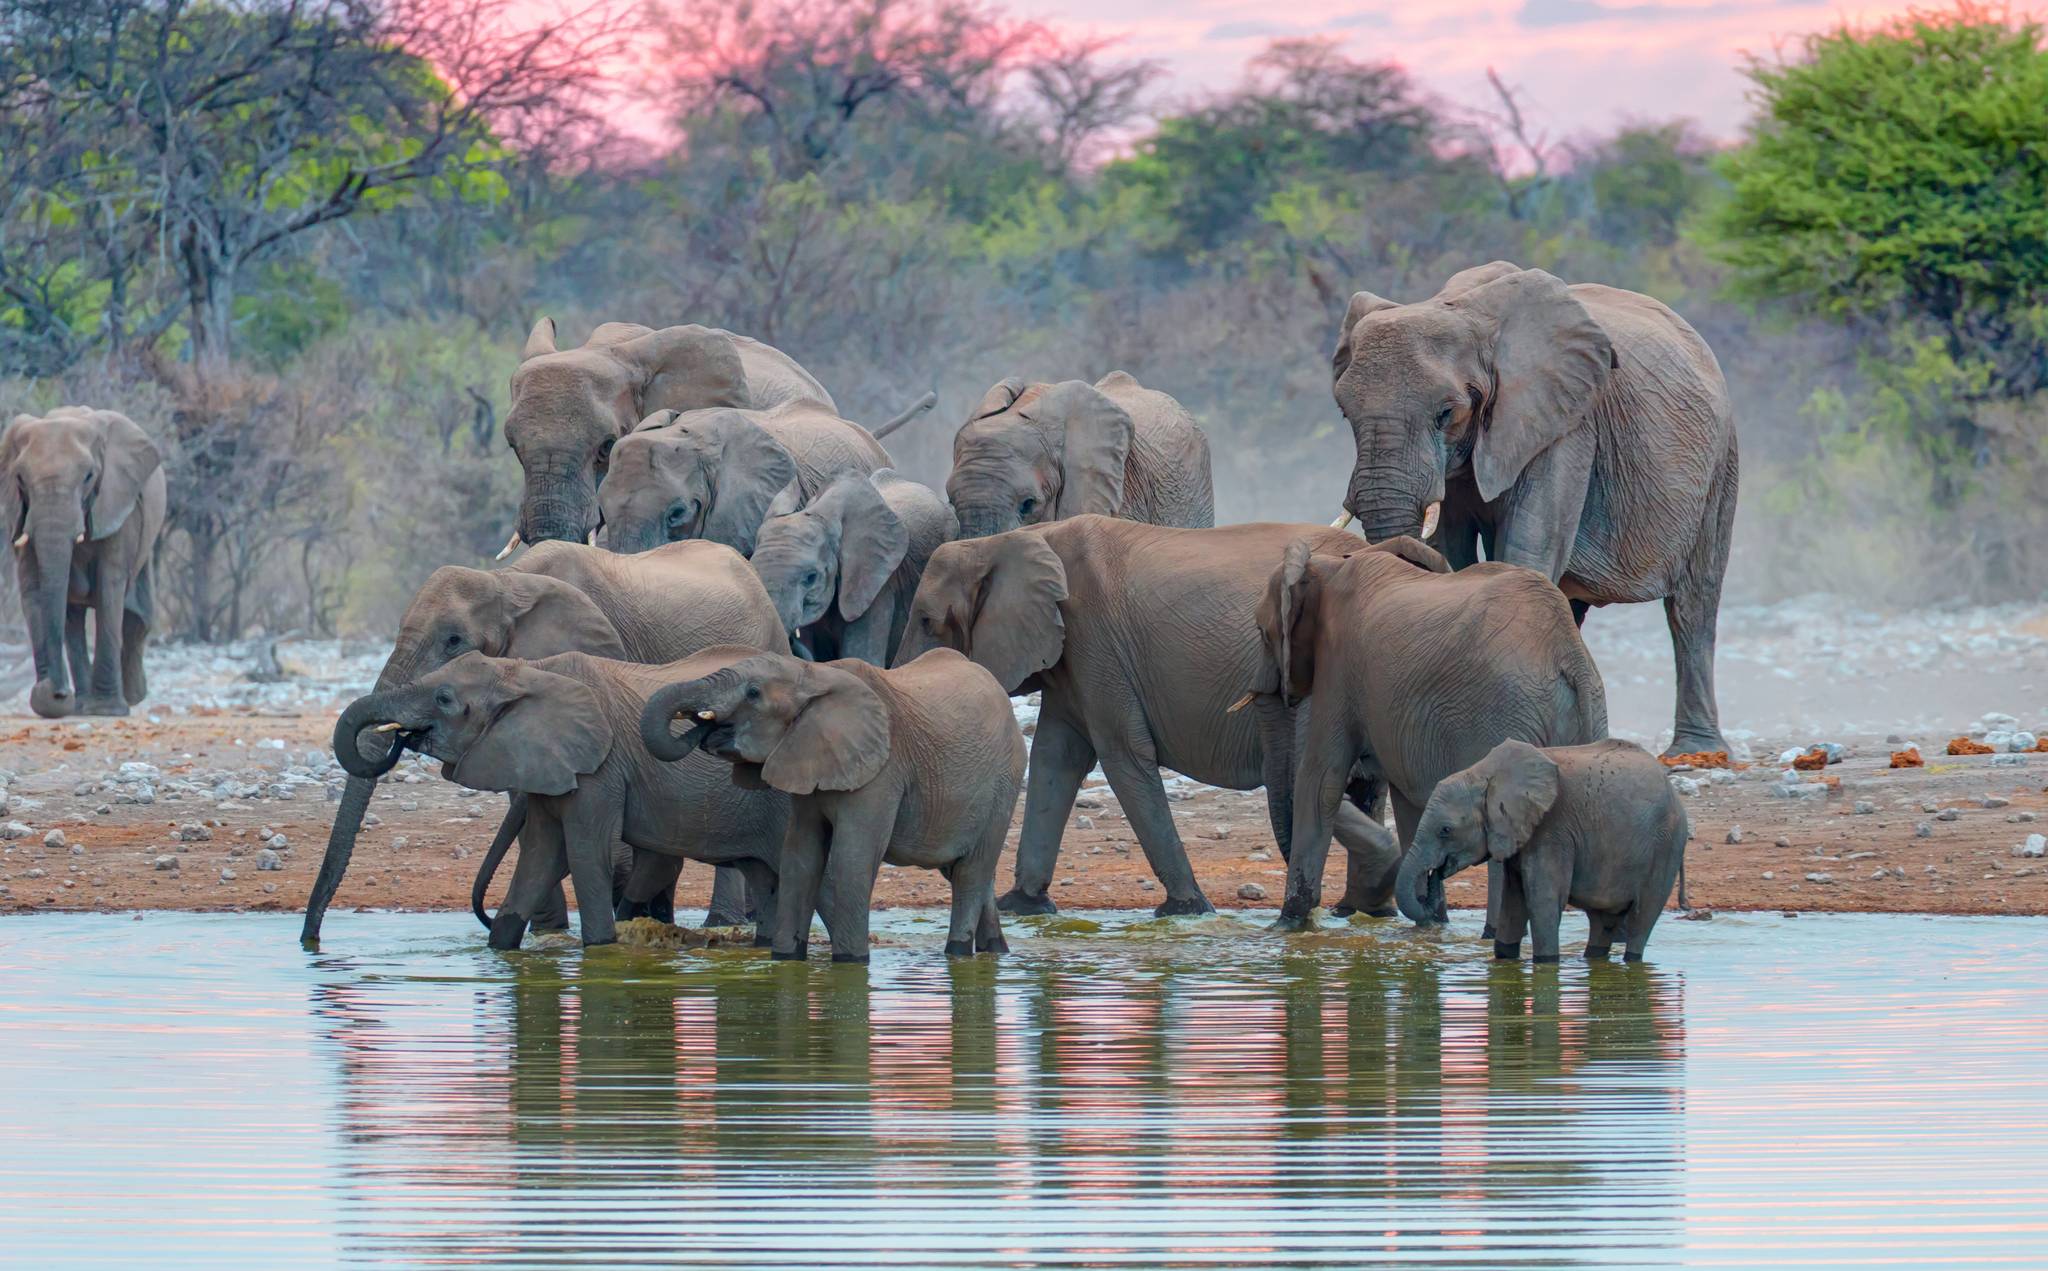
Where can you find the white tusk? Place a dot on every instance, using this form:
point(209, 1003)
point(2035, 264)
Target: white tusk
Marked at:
point(1430, 516)
point(511, 544)
point(1341, 522)
point(21, 542)
point(79, 539)
point(387, 728)
point(709, 717)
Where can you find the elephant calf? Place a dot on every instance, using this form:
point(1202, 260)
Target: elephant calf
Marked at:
point(916, 766)
point(1595, 826)
point(563, 732)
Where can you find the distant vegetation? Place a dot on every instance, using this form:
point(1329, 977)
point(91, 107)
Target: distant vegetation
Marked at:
point(301, 242)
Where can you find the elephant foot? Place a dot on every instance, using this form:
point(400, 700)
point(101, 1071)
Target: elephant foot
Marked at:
point(1598, 953)
point(1631, 957)
point(1289, 922)
point(113, 706)
point(763, 942)
point(663, 907)
point(1485, 932)
point(959, 948)
point(1345, 909)
point(1174, 907)
point(1542, 959)
point(860, 958)
point(1018, 901)
point(798, 954)
point(726, 918)
point(507, 930)
point(997, 945)
point(1507, 952)
point(1690, 742)
point(50, 704)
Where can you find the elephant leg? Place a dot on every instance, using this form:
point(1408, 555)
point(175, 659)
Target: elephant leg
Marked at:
point(854, 846)
point(1318, 790)
point(79, 656)
point(1061, 756)
point(1639, 922)
point(1538, 517)
point(1514, 915)
point(1692, 611)
point(135, 615)
point(1543, 901)
point(1372, 859)
point(109, 605)
point(650, 877)
point(988, 933)
point(536, 878)
point(1135, 779)
point(803, 869)
point(764, 887)
point(589, 831)
point(974, 884)
point(1600, 931)
point(729, 907)
point(551, 912)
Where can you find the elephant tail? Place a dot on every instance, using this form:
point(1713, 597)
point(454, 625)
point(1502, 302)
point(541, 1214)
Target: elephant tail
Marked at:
point(508, 829)
point(916, 408)
point(1581, 702)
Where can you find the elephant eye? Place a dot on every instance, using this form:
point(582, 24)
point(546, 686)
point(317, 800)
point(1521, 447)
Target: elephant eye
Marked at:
point(1027, 507)
point(678, 516)
point(604, 450)
point(1443, 831)
point(454, 641)
point(1443, 417)
point(753, 692)
point(811, 579)
point(444, 699)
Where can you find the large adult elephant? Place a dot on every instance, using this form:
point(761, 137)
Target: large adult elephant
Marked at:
point(720, 473)
point(570, 405)
point(564, 598)
point(1581, 431)
point(1032, 453)
point(82, 495)
point(1141, 640)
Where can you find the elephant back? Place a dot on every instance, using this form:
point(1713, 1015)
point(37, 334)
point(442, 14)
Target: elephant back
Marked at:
point(822, 444)
point(1167, 478)
point(775, 379)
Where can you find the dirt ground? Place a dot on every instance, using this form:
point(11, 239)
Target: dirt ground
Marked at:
point(189, 831)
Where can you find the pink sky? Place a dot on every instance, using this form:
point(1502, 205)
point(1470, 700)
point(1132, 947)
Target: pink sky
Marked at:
point(1581, 65)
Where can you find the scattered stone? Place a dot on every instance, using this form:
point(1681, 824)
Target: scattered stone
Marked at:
point(1084, 823)
point(53, 839)
point(398, 843)
point(1865, 807)
point(104, 809)
point(1685, 785)
point(1949, 814)
point(166, 862)
point(194, 832)
point(15, 830)
point(270, 889)
point(1923, 830)
point(2035, 845)
point(2008, 761)
point(227, 875)
point(1219, 832)
point(1259, 856)
point(1696, 915)
point(1781, 841)
point(1820, 878)
point(2023, 818)
point(269, 860)
point(1993, 801)
point(1251, 891)
point(409, 805)
point(1859, 856)
point(78, 849)
point(1768, 875)
point(1066, 882)
point(1804, 790)
point(35, 873)
point(1734, 834)
point(1146, 884)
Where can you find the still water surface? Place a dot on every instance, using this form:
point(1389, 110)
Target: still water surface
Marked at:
point(1766, 1092)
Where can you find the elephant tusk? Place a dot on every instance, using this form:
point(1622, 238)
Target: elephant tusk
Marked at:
point(1240, 703)
point(511, 545)
point(1430, 515)
point(79, 539)
point(392, 727)
point(1341, 522)
point(709, 717)
point(21, 542)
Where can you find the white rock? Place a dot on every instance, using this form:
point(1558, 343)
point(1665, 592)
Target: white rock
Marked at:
point(55, 838)
point(15, 830)
point(2021, 742)
point(167, 862)
point(1252, 891)
point(269, 860)
point(1685, 785)
point(2035, 845)
point(1820, 878)
point(1734, 834)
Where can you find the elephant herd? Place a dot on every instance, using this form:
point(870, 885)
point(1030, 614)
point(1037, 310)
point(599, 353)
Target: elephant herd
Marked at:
point(739, 636)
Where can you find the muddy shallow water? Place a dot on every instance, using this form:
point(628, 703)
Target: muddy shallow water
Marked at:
point(1766, 1091)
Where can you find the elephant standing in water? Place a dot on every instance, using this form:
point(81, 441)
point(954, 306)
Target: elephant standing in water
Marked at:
point(1046, 452)
point(1581, 431)
point(843, 569)
point(82, 495)
point(563, 598)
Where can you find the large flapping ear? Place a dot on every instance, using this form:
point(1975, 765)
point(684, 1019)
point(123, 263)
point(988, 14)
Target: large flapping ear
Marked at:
point(546, 731)
point(997, 399)
point(872, 541)
point(1477, 276)
point(126, 458)
point(750, 469)
point(540, 340)
point(1414, 551)
point(1521, 786)
point(688, 368)
point(10, 489)
point(1549, 360)
point(549, 616)
point(1097, 445)
point(1018, 629)
point(1362, 303)
point(839, 739)
point(1289, 619)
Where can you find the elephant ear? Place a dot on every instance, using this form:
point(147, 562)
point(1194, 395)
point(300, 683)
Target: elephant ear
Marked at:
point(539, 341)
point(1477, 276)
point(1415, 552)
point(998, 399)
point(10, 489)
point(872, 542)
point(688, 368)
point(838, 740)
point(549, 616)
point(1288, 619)
point(1362, 303)
point(1550, 358)
point(1098, 444)
point(546, 731)
point(1521, 786)
point(1018, 630)
point(126, 458)
point(752, 468)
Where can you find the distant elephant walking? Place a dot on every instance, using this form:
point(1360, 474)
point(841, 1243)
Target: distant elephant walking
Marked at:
point(1581, 431)
point(83, 496)
point(1048, 452)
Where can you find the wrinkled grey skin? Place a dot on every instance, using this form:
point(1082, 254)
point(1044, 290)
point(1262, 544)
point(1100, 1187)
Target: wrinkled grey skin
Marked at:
point(563, 733)
point(1581, 431)
point(82, 499)
point(564, 598)
point(1142, 640)
point(842, 570)
point(1415, 672)
point(1597, 826)
point(1032, 453)
point(718, 474)
point(569, 406)
point(918, 766)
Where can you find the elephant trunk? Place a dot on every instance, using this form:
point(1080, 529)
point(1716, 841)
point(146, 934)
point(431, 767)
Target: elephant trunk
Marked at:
point(560, 500)
point(666, 704)
point(381, 754)
point(1418, 889)
point(373, 710)
point(54, 523)
point(487, 869)
point(986, 520)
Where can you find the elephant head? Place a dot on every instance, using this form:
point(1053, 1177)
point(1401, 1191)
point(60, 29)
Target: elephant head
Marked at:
point(837, 552)
point(1044, 452)
point(494, 723)
point(497, 613)
point(570, 406)
point(994, 600)
point(1291, 611)
point(70, 477)
point(1487, 812)
point(791, 725)
point(1482, 377)
point(711, 474)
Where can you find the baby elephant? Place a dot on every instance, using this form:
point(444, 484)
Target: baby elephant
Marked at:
point(1597, 826)
point(916, 766)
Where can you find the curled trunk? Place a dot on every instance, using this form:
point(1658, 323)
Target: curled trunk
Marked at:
point(355, 801)
point(1419, 890)
point(365, 713)
point(663, 707)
